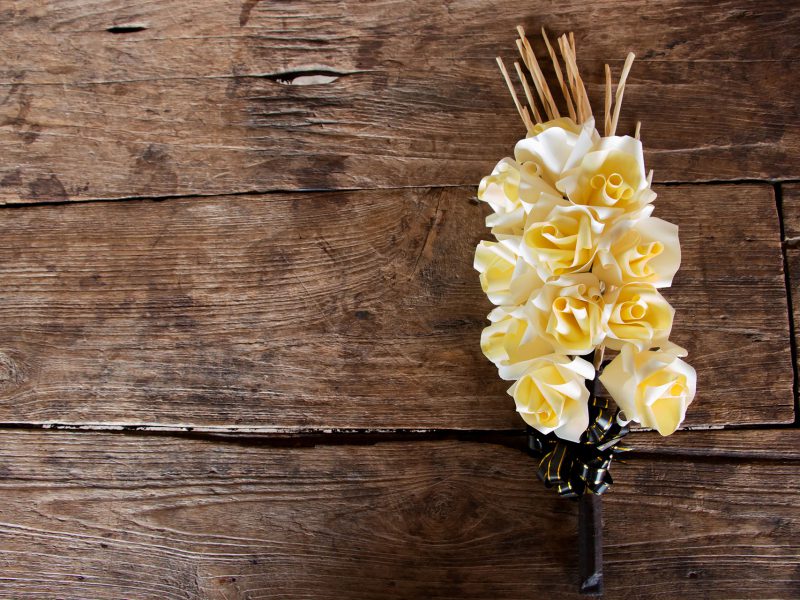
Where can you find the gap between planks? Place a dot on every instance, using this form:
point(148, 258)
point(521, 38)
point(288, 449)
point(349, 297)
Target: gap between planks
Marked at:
point(747, 444)
point(180, 429)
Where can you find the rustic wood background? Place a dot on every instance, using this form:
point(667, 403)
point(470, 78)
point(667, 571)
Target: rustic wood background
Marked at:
point(239, 324)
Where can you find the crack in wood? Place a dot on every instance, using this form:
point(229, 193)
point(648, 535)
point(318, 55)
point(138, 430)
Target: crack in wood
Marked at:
point(306, 76)
point(331, 190)
point(129, 28)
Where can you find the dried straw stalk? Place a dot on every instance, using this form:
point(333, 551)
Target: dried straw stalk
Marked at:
point(570, 83)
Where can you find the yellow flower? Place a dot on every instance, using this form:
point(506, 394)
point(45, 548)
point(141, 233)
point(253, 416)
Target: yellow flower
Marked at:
point(551, 395)
point(653, 387)
point(610, 180)
point(556, 149)
point(506, 278)
point(639, 315)
point(563, 123)
point(500, 190)
point(510, 343)
point(646, 250)
point(568, 313)
point(560, 238)
point(511, 190)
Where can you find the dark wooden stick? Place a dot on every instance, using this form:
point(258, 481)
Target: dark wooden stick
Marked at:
point(590, 519)
point(590, 544)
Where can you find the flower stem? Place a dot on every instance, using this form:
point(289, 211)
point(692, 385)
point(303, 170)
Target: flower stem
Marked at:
point(590, 519)
point(590, 544)
point(597, 361)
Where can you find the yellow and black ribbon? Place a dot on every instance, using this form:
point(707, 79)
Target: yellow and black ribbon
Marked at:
point(575, 468)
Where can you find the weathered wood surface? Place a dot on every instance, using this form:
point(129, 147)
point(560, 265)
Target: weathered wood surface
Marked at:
point(190, 97)
point(299, 312)
point(790, 211)
point(755, 444)
point(114, 516)
point(337, 310)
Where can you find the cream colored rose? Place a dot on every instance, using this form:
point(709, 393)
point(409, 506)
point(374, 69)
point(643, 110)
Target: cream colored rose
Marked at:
point(637, 314)
point(551, 395)
point(505, 277)
point(511, 344)
point(568, 312)
point(653, 387)
point(646, 250)
point(562, 122)
point(500, 190)
point(560, 238)
point(511, 190)
point(556, 149)
point(610, 180)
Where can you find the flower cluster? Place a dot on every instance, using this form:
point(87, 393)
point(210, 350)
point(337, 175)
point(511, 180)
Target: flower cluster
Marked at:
point(577, 264)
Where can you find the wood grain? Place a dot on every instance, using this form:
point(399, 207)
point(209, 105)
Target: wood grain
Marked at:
point(116, 98)
point(113, 516)
point(778, 443)
point(790, 211)
point(337, 310)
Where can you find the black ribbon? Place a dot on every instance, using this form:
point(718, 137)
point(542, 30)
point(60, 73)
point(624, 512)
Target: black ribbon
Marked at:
point(573, 468)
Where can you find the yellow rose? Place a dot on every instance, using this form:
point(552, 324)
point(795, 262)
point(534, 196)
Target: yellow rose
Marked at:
point(511, 190)
point(610, 180)
point(506, 278)
point(560, 238)
point(556, 149)
point(510, 343)
point(653, 387)
point(646, 250)
point(568, 313)
point(637, 314)
point(551, 395)
point(500, 190)
point(562, 122)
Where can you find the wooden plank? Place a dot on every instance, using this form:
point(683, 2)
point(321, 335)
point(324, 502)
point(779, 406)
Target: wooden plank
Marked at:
point(790, 212)
point(336, 310)
point(778, 443)
point(110, 516)
point(191, 97)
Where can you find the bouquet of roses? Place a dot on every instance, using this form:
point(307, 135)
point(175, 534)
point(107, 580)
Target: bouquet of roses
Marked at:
point(576, 267)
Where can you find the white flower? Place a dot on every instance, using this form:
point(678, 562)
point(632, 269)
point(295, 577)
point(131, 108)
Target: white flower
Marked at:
point(610, 180)
point(500, 190)
point(653, 387)
point(636, 313)
point(646, 250)
point(511, 190)
point(568, 312)
point(511, 344)
point(505, 277)
point(551, 395)
point(557, 149)
point(565, 123)
point(560, 238)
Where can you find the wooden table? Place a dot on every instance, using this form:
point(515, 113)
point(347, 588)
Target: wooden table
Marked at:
point(239, 323)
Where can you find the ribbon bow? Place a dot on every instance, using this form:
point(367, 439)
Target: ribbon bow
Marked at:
point(573, 468)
